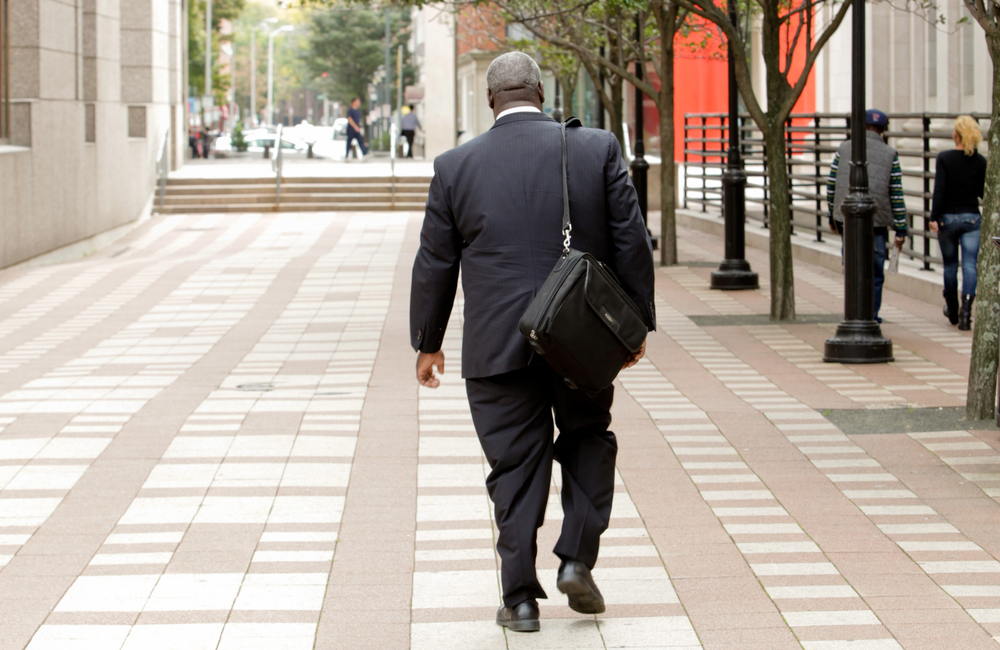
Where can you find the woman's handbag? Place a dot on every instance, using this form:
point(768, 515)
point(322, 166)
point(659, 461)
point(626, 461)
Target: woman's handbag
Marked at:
point(581, 321)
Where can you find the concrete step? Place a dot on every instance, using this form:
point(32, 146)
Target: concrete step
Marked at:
point(194, 190)
point(330, 180)
point(291, 197)
point(292, 207)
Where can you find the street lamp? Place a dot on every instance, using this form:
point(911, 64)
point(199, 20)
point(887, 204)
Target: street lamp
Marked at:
point(253, 67)
point(734, 271)
point(858, 338)
point(270, 69)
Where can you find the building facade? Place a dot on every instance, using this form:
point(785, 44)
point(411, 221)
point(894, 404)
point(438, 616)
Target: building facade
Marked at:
point(433, 45)
point(96, 89)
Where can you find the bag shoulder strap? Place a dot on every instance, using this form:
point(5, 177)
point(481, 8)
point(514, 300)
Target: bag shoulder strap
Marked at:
point(567, 226)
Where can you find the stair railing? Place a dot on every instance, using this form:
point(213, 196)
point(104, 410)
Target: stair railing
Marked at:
point(277, 161)
point(162, 167)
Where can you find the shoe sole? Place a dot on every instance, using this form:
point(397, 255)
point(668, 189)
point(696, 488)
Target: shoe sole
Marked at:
point(521, 626)
point(582, 598)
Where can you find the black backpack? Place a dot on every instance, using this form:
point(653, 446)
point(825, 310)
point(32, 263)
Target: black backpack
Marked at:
point(582, 322)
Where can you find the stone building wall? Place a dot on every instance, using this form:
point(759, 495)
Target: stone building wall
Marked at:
point(95, 84)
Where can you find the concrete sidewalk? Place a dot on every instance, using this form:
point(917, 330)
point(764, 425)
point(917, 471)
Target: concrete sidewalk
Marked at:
point(212, 438)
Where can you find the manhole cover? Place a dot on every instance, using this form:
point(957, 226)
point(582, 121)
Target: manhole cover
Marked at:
point(255, 388)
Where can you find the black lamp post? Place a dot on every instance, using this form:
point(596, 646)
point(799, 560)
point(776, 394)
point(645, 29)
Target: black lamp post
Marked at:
point(734, 271)
point(640, 168)
point(859, 338)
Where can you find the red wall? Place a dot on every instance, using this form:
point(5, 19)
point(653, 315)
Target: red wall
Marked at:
point(701, 82)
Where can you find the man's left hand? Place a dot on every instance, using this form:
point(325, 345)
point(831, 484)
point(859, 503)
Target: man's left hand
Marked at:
point(635, 356)
point(900, 240)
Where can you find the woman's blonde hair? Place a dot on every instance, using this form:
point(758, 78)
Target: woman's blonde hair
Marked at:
point(968, 132)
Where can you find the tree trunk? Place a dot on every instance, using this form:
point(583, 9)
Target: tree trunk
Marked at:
point(981, 399)
point(568, 91)
point(668, 167)
point(617, 110)
point(779, 220)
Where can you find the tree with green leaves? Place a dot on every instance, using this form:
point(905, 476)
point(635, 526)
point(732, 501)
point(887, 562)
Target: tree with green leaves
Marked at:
point(348, 44)
point(649, 38)
point(786, 29)
point(981, 399)
point(221, 10)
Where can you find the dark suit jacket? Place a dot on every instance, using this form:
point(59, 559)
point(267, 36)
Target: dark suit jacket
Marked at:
point(495, 210)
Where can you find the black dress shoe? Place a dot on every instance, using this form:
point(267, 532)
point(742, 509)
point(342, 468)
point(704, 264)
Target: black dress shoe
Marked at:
point(576, 582)
point(522, 617)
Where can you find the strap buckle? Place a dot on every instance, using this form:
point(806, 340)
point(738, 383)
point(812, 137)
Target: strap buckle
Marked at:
point(566, 231)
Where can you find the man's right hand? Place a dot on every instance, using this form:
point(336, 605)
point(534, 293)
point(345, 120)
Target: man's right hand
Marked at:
point(935, 226)
point(425, 368)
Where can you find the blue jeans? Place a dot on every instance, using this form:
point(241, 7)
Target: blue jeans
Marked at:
point(881, 240)
point(361, 144)
point(960, 231)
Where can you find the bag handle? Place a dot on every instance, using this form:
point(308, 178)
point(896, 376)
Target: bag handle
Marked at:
point(567, 227)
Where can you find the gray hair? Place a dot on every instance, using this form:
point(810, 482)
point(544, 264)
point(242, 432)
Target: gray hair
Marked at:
point(512, 71)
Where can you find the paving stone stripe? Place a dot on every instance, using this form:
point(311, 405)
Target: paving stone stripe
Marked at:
point(844, 463)
point(791, 568)
point(198, 314)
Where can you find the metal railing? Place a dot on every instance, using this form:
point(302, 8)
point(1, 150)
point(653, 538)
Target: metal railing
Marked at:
point(811, 140)
point(163, 168)
point(277, 165)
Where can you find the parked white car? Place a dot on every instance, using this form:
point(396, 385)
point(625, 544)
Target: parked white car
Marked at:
point(257, 140)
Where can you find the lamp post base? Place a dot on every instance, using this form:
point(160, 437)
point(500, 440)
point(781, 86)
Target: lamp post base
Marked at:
point(734, 275)
point(858, 341)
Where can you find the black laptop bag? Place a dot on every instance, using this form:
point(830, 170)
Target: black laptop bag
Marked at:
point(582, 322)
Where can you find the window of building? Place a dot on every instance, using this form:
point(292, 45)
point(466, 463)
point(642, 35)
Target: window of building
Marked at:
point(4, 72)
point(968, 56)
point(932, 53)
point(90, 123)
point(137, 121)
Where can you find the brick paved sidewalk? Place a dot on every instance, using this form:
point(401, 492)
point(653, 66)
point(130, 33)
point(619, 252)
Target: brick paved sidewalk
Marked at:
point(210, 437)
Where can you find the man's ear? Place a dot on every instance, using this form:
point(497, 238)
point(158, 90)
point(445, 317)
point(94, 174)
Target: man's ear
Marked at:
point(541, 94)
point(489, 97)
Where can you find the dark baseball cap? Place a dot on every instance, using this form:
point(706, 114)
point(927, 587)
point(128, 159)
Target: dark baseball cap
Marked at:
point(875, 117)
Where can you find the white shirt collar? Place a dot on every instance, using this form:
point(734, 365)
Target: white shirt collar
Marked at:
point(518, 109)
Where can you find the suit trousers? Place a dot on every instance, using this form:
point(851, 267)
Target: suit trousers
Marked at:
point(513, 416)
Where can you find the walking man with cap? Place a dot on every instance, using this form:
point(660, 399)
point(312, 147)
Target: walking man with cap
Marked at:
point(885, 185)
point(494, 212)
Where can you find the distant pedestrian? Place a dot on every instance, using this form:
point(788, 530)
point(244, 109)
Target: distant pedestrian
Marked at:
point(959, 181)
point(409, 127)
point(354, 131)
point(885, 186)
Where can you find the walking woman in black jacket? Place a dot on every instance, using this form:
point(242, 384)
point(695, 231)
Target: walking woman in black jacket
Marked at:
point(959, 179)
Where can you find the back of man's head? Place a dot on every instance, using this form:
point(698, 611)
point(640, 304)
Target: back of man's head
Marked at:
point(513, 71)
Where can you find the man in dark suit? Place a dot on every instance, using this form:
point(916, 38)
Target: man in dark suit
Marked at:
point(494, 210)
